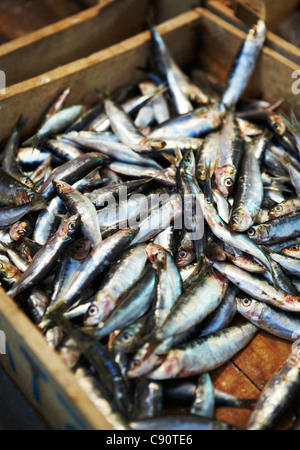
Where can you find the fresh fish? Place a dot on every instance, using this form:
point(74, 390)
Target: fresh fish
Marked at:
point(130, 307)
point(71, 171)
point(230, 155)
point(204, 402)
point(77, 203)
point(276, 230)
point(13, 192)
point(223, 232)
point(62, 150)
point(204, 354)
point(180, 422)
point(147, 400)
point(10, 162)
point(46, 259)
point(293, 251)
point(165, 176)
point(249, 195)
point(127, 132)
point(190, 125)
point(277, 394)
point(173, 78)
point(223, 315)
point(115, 150)
point(257, 288)
point(284, 208)
point(100, 258)
point(75, 254)
point(9, 215)
point(159, 219)
point(9, 274)
point(56, 124)
point(207, 156)
point(188, 311)
point(276, 322)
point(244, 64)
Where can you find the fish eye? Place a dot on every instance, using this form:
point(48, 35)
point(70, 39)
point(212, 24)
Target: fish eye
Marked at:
point(228, 182)
point(237, 219)
point(278, 208)
point(251, 232)
point(182, 254)
point(246, 302)
point(277, 126)
point(71, 226)
point(126, 336)
point(295, 248)
point(93, 310)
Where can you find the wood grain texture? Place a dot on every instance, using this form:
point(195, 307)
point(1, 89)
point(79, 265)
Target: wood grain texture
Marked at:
point(20, 17)
point(273, 41)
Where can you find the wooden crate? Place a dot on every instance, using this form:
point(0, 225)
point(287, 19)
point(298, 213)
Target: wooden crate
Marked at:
point(273, 41)
point(80, 35)
point(199, 36)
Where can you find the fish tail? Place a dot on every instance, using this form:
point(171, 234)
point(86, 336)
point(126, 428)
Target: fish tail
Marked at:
point(32, 142)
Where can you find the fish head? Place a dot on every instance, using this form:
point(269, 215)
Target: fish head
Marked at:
point(19, 230)
point(186, 253)
point(8, 271)
point(69, 227)
point(282, 209)
point(25, 195)
point(277, 123)
point(293, 250)
point(225, 179)
point(99, 309)
point(258, 31)
point(145, 360)
point(156, 255)
point(27, 181)
point(62, 188)
point(124, 338)
point(240, 220)
point(157, 144)
point(249, 308)
point(80, 249)
point(258, 233)
point(277, 210)
point(188, 164)
point(201, 172)
point(170, 368)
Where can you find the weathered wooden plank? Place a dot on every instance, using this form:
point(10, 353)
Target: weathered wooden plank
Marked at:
point(262, 357)
point(72, 38)
point(103, 71)
point(77, 36)
point(19, 17)
point(198, 37)
point(42, 376)
point(272, 79)
point(231, 380)
point(273, 41)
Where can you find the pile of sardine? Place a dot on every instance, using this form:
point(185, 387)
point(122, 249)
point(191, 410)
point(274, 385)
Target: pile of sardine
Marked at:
point(152, 236)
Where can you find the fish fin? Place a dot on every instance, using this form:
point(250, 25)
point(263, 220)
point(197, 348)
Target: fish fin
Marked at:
point(39, 203)
point(268, 255)
point(32, 142)
point(169, 158)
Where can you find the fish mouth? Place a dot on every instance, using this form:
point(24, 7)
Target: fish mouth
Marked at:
point(241, 221)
